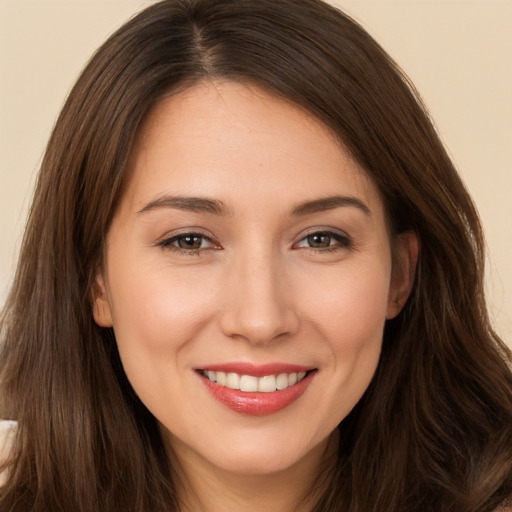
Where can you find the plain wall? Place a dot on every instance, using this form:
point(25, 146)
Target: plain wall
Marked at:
point(458, 54)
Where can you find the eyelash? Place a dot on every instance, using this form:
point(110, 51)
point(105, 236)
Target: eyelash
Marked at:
point(168, 244)
point(342, 242)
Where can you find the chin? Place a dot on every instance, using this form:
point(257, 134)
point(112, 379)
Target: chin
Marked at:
point(258, 457)
point(258, 464)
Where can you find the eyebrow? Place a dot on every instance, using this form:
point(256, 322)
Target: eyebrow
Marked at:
point(216, 207)
point(330, 203)
point(193, 204)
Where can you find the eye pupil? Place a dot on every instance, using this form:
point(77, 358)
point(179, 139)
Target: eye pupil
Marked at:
point(319, 240)
point(190, 242)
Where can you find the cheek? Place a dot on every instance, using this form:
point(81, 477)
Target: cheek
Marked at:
point(157, 311)
point(348, 323)
point(349, 319)
point(157, 315)
point(351, 308)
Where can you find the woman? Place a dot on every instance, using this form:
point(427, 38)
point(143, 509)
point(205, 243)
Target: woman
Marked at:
point(251, 280)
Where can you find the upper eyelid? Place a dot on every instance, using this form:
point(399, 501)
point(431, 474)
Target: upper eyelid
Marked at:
point(321, 229)
point(336, 233)
point(190, 231)
point(168, 242)
point(342, 238)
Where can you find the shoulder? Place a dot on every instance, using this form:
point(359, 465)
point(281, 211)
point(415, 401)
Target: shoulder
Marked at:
point(7, 432)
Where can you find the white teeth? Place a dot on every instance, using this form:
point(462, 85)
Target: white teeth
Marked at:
point(233, 380)
point(282, 381)
point(250, 383)
point(220, 378)
point(267, 384)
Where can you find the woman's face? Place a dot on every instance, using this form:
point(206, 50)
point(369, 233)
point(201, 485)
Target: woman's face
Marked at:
point(248, 276)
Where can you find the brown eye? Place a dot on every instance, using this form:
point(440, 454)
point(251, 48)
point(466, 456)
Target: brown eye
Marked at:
point(325, 241)
point(319, 240)
point(190, 242)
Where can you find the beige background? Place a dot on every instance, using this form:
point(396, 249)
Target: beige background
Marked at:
point(458, 53)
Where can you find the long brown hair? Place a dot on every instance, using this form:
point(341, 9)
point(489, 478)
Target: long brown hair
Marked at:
point(434, 430)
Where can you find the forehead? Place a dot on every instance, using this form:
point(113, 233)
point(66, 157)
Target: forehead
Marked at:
point(235, 139)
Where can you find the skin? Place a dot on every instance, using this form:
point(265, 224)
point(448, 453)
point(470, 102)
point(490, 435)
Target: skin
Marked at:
point(253, 291)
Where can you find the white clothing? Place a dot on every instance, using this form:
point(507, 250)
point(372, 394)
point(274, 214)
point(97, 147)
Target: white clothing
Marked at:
point(7, 431)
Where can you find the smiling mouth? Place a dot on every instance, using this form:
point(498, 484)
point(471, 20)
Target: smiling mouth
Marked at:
point(253, 384)
point(256, 390)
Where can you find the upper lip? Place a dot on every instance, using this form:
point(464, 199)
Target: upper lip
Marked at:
point(256, 370)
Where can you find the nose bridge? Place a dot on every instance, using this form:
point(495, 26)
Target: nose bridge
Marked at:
point(259, 307)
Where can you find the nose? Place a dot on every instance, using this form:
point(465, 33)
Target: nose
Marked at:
point(258, 303)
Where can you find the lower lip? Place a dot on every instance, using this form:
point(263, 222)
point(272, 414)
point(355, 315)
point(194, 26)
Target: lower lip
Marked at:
point(257, 403)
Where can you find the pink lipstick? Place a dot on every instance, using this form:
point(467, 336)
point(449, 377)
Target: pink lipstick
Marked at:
point(256, 390)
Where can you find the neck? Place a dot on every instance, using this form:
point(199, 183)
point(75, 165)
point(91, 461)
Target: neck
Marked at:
point(207, 488)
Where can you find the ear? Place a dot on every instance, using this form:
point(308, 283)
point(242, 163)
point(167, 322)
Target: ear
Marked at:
point(101, 310)
point(402, 275)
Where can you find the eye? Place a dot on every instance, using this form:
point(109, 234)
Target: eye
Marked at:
point(324, 240)
point(188, 243)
